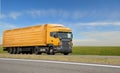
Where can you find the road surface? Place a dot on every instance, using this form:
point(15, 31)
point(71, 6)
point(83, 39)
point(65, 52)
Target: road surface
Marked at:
point(19, 66)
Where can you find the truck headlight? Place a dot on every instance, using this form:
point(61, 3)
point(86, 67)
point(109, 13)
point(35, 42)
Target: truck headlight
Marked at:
point(70, 43)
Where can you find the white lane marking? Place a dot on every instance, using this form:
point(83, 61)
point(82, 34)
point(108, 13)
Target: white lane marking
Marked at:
point(60, 62)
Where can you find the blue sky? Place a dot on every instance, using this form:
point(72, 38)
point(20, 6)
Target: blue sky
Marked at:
point(94, 22)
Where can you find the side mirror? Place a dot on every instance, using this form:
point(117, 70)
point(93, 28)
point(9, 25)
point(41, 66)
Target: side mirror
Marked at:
point(55, 35)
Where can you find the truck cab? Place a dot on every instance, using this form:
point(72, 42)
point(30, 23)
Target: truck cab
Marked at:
point(61, 38)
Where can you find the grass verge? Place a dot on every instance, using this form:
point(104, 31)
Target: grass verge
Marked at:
point(112, 60)
point(1, 50)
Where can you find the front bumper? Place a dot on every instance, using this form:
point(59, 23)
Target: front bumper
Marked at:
point(65, 50)
point(65, 47)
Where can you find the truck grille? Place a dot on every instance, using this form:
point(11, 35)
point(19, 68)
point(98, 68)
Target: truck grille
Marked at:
point(65, 44)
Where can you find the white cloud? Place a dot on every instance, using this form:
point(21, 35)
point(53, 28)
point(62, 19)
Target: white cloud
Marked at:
point(83, 42)
point(108, 35)
point(76, 14)
point(61, 13)
point(2, 16)
point(37, 13)
point(98, 24)
point(79, 14)
point(56, 13)
point(109, 38)
point(14, 15)
point(6, 26)
point(50, 12)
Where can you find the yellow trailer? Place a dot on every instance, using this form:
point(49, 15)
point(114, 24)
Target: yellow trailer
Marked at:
point(47, 38)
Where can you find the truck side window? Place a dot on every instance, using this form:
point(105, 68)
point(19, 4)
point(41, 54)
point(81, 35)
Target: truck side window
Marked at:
point(51, 34)
point(55, 36)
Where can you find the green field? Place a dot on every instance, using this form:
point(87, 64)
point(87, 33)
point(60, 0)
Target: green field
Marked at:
point(97, 50)
point(92, 50)
point(1, 50)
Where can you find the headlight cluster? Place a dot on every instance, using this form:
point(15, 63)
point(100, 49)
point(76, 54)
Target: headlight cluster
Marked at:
point(70, 43)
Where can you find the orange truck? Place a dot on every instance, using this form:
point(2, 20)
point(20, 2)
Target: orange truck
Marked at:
point(47, 38)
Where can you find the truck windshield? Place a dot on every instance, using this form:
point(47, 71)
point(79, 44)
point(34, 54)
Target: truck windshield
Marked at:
point(64, 34)
point(61, 34)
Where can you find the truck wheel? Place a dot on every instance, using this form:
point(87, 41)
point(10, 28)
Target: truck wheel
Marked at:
point(48, 53)
point(65, 53)
point(51, 51)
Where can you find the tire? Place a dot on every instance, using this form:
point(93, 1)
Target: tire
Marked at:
point(11, 50)
point(48, 53)
point(14, 50)
point(30, 52)
point(65, 53)
point(23, 52)
point(8, 50)
point(51, 51)
point(36, 51)
point(26, 52)
point(17, 50)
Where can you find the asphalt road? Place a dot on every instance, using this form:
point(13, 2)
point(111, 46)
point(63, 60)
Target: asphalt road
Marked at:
point(16, 66)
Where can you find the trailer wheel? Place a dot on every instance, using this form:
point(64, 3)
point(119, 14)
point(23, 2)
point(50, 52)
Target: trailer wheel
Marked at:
point(8, 50)
point(65, 53)
point(30, 52)
point(11, 50)
point(14, 50)
point(18, 50)
point(23, 52)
